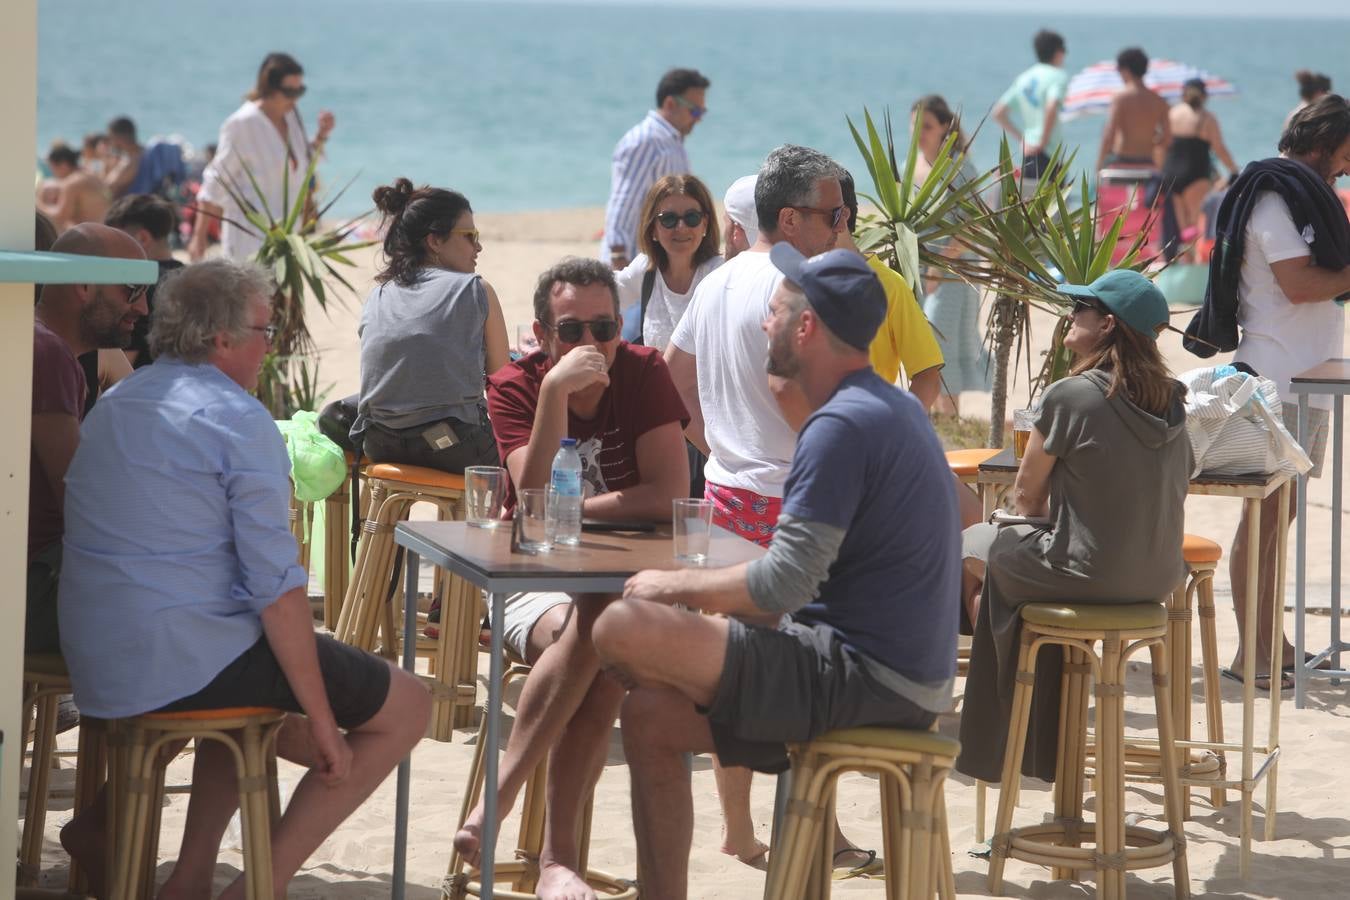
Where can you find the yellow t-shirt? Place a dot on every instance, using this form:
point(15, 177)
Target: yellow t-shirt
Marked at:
point(905, 338)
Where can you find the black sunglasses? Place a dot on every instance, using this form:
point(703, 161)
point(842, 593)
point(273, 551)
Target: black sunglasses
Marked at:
point(835, 215)
point(1080, 305)
point(691, 219)
point(570, 332)
point(292, 93)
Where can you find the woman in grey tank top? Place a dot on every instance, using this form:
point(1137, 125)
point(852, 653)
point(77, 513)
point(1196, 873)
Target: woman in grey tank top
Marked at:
point(430, 332)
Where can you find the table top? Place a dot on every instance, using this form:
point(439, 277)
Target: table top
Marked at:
point(1002, 469)
point(601, 563)
point(1330, 373)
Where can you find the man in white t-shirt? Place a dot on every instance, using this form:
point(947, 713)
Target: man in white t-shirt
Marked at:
point(717, 353)
point(1290, 323)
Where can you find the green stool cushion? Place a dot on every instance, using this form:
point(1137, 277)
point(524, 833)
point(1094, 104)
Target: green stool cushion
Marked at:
point(1096, 616)
point(894, 739)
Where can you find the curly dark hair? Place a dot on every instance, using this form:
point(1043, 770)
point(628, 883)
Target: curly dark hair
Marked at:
point(574, 270)
point(412, 214)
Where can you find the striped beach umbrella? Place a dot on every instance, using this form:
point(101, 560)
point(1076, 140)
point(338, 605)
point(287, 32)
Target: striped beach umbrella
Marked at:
point(1091, 90)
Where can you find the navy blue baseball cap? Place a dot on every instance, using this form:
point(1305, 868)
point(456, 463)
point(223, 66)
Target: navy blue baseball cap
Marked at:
point(841, 288)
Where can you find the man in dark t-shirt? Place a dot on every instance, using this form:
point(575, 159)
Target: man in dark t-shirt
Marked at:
point(864, 564)
point(620, 404)
point(70, 319)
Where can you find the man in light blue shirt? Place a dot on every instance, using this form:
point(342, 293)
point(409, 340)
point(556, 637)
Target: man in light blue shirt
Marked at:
point(1035, 98)
point(649, 151)
point(181, 588)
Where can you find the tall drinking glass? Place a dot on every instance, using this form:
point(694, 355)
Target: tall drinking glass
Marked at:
point(693, 530)
point(1023, 421)
point(538, 519)
point(484, 492)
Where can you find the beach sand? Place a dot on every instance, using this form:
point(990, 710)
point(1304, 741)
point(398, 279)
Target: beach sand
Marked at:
point(1309, 858)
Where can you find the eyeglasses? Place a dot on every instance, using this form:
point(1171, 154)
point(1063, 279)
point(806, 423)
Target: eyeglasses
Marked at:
point(836, 215)
point(691, 219)
point(292, 93)
point(135, 292)
point(570, 332)
point(471, 233)
point(269, 332)
point(696, 112)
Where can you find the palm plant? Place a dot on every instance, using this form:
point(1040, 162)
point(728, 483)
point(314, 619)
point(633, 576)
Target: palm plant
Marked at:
point(1022, 246)
point(302, 259)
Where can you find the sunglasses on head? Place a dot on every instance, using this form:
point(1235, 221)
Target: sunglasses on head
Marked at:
point(292, 93)
point(570, 332)
point(691, 219)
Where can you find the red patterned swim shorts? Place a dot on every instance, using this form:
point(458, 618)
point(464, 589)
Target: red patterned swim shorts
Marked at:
point(750, 515)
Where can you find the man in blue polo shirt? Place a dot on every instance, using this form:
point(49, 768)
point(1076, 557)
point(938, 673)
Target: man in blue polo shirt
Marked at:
point(865, 565)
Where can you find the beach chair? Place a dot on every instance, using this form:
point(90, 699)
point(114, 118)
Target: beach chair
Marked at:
point(1126, 189)
point(1121, 629)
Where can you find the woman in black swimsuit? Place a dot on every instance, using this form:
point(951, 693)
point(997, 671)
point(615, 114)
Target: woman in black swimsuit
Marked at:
point(1187, 171)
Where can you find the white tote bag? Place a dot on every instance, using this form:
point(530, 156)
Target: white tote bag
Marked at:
point(1233, 420)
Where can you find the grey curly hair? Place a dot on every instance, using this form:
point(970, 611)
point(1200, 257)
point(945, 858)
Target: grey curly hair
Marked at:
point(200, 301)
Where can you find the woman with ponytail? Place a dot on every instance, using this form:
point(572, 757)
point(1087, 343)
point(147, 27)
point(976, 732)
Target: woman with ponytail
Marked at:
point(1188, 171)
point(431, 331)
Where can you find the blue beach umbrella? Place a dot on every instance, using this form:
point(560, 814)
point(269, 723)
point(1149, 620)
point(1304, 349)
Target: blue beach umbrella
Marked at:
point(1091, 90)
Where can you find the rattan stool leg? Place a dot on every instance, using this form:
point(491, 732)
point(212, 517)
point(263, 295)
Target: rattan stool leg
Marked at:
point(255, 814)
point(1202, 583)
point(1075, 685)
point(1012, 762)
point(918, 832)
point(39, 782)
point(788, 865)
point(942, 853)
point(1172, 790)
point(91, 762)
point(1179, 612)
point(1110, 693)
point(135, 816)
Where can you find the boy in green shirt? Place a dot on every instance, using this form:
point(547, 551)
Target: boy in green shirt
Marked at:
point(1035, 97)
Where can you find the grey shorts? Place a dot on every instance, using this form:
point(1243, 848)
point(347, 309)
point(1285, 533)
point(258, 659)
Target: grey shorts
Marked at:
point(1315, 444)
point(522, 612)
point(792, 684)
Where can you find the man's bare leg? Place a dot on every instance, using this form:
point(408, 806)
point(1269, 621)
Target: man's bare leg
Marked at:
point(316, 809)
point(738, 829)
point(1237, 573)
point(558, 682)
point(574, 767)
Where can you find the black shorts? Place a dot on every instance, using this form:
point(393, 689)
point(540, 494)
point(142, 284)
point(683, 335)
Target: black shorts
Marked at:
point(793, 684)
point(357, 683)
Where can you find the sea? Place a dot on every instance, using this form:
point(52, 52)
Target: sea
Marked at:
point(518, 105)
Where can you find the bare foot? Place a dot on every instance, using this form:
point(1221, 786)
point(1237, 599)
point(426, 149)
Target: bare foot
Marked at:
point(469, 839)
point(561, 883)
point(755, 854)
point(85, 840)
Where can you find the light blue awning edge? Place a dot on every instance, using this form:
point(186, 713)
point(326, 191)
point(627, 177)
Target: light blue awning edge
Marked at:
point(35, 267)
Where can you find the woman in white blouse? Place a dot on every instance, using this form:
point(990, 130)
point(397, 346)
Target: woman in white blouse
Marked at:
point(268, 135)
point(679, 240)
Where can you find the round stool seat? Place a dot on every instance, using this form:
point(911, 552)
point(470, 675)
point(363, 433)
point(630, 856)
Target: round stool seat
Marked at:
point(912, 740)
point(50, 665)
point(214, 715)
point(418, 475)
point(966, 463)
point(1196, 549)
point(1096, 616)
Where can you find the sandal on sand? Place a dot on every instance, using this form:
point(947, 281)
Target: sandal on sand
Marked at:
point(1262, 681)
point(869, 866)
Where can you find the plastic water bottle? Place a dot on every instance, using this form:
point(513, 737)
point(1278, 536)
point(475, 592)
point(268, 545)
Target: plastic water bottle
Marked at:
point(566, 482)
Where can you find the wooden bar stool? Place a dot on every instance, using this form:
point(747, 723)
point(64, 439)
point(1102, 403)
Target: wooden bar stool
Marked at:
point(372, 606)
point(137, 791)
point(44, 681)
point(337, 511)
point(523, 871)
point(913, 767)
point(965, 464)
point(1121, 629)
point(1202, 559)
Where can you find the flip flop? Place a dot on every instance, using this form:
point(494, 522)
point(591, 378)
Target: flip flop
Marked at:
point(1285, 683)
point(872, 865)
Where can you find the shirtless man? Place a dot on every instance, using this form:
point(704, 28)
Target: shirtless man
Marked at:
point(1137, 131)
point(73, 195)
point(125, 161)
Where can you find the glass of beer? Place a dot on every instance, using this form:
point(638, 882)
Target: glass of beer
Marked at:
point(1023, 420)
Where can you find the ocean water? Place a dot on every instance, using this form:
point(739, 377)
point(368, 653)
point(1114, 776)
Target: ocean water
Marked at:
point(519, 105)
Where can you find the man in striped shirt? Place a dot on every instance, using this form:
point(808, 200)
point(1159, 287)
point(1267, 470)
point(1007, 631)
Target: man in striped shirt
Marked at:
point(652, 149)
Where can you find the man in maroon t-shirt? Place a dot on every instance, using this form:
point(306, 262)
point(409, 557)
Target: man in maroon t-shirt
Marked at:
point(70, 319)
point(618, 401)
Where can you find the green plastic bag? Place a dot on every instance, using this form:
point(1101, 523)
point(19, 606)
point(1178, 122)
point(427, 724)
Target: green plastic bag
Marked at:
point(318, 466)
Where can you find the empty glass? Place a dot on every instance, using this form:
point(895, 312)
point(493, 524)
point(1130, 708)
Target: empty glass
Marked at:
point(484, 492)
point(693, 530)
point(538, 517)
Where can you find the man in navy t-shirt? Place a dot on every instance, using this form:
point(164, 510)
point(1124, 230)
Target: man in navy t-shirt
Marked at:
point(865, 565)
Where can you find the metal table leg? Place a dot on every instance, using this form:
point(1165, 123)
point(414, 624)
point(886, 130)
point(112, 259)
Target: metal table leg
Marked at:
point(405, 767)
point(497, 602)
point(1301, 567)
point(1337, 447)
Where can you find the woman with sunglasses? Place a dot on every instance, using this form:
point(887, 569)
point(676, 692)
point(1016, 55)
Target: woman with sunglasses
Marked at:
point(431, 330)
point(679, 239)
point(1104, 479)
point(266, 136)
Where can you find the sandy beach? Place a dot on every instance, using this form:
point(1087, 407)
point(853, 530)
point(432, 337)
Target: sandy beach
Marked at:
point(1310, 857)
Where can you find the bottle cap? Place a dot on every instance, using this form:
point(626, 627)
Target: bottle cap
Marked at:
point(569, 442)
